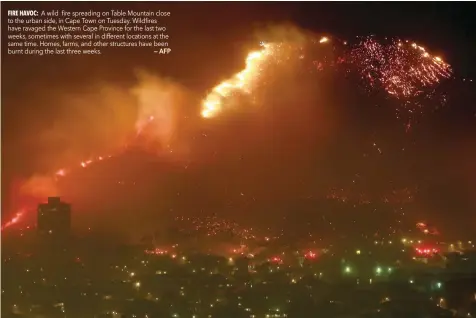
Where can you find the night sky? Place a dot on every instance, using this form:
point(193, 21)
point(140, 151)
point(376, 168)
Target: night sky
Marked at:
point(58, 110)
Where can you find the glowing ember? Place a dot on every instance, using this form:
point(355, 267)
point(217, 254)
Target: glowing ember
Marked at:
point(14, 220)
point(426, 251)
point(158, 251)
point(402, 70)
point(276, 260)
point(310, 255)
point(324, 40)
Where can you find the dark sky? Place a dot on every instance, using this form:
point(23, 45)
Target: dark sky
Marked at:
point(209, 41)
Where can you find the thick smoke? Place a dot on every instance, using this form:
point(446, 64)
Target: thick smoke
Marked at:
point(40, 186)
point(162, 106)
point(287, 33)
point(101, 119)
point(157, 99)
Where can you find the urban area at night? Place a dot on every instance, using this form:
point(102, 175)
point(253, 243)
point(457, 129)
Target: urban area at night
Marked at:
point(285, 159)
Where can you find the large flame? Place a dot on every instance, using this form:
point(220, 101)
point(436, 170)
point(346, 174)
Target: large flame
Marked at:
point(240, 82)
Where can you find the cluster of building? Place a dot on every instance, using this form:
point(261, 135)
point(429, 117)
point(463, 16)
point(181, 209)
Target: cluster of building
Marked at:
point(83, 279)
